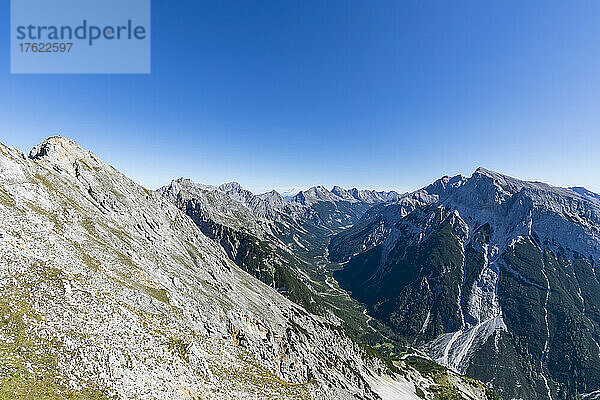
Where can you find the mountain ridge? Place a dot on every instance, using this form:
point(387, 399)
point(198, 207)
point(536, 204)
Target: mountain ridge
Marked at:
point(464, 247)
point(110, 291)
point(486, 220)
point(149, 285)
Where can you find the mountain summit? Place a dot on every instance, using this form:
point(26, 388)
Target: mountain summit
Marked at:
point(486, 274)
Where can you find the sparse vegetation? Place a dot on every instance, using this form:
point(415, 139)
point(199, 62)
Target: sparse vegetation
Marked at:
point(180, 347)
point(29, 364)
point(6, 199)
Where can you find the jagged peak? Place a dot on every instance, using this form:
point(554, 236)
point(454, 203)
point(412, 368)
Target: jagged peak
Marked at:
point(341, 192)
point(514, 185)
point(337, 193)
point(64, 153)
point(184, 181)
point(485, 171)
point(231, 186)
point(512, 182)
point(316, 194)
point(273, 195)
point(443, 184)
point(495, 176)
point(299, 197)
point(318, 189)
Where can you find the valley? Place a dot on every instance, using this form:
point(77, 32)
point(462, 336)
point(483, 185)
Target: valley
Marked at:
point(466, 272)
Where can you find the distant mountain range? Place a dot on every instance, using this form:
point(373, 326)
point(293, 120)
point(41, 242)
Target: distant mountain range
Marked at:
point(110, 290)
point(480, 287)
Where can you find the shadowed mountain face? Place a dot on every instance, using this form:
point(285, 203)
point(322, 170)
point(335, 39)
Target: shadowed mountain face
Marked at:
point(236, 220)
point(489, 275)
point(591, 196)
point(110, 291)
point(280, 241)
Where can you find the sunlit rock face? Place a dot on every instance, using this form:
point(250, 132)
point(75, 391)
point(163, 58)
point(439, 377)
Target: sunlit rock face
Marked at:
point(487, 274)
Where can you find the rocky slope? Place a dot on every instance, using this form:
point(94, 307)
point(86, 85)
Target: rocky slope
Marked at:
point(246, 236)
point(591, 196)
point(491, 276)
point(109, 291)
point(281, 242)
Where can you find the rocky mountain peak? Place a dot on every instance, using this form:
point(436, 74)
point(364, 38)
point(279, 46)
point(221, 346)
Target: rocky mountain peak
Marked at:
point(319, 190)
point(320, 193)
point(348, 195)
point(503, 182)
point(484, 171)
point(63, 153)
point(272, 196)
point(236, 192)
point(122, 294)
point(439, 188)
point(177, 186)
point(134, 300)
point(338, 190)
point(183, 181)
point(513, 242)
point(511, 186)
point(231, 187)
point(55, 146)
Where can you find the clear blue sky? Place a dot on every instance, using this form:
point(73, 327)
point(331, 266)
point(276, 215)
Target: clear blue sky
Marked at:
point(386, 94)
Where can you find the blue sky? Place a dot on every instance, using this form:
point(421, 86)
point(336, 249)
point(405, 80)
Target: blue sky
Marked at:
point(386, 94)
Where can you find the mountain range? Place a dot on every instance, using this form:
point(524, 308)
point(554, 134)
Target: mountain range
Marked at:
point(490, 276)
point(479, 287)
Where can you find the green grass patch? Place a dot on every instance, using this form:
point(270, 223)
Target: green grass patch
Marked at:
point(88, 224)
point(29, 364)
point(6, 199)
point(179, 346)
point(156, 293)
point(45, 182)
